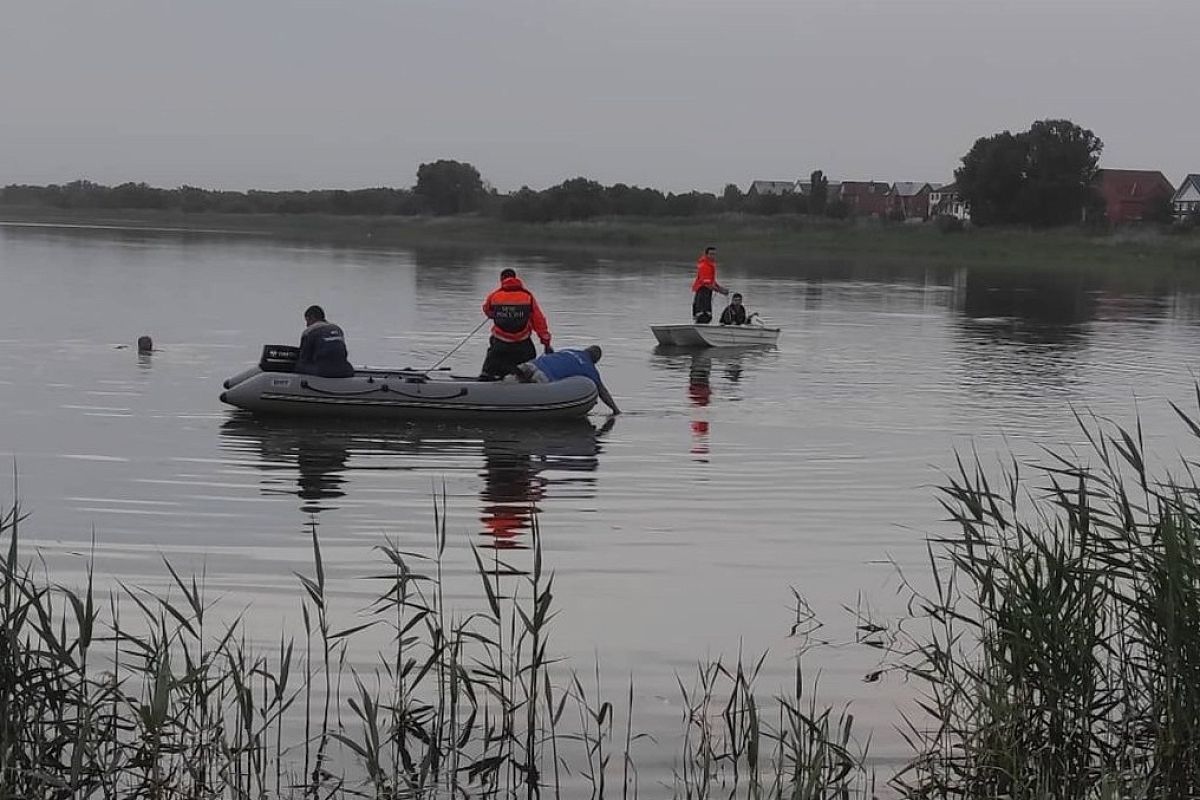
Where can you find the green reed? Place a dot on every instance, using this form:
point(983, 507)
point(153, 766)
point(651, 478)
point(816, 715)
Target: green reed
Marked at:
point(1058, 646)
point(145, 695)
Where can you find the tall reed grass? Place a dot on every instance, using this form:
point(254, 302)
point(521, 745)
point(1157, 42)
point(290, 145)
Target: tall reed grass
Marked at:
point(1055, 638)
point(135, 695)
point(1058, 645)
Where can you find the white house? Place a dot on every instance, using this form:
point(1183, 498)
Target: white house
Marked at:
point(944, 201)
point(772, 187)
point(1187, 200)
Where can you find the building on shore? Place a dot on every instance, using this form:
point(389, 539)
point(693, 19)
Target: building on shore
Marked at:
point(1130, 195)
point(1186, 201)
point(865, 198)
point(772, 187)
point(945, 201)
point(909, 200)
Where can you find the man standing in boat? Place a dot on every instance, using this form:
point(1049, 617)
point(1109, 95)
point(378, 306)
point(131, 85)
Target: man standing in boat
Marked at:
point(515, 317)
point(322, 347)
point(704, 286)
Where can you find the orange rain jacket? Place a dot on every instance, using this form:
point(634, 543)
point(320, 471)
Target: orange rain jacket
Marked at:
point(515, 313)
point(706, 274)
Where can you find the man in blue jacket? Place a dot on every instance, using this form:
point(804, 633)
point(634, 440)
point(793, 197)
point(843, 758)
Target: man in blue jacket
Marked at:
point(563, 364)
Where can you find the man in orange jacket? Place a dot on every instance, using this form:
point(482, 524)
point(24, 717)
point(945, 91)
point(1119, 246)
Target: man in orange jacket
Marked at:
point(515, 316)
point(704, 286)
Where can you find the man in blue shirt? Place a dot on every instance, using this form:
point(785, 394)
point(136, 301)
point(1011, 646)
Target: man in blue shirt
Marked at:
point(563, 364)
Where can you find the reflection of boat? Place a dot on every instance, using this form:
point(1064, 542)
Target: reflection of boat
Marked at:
point(320, 458)
point(514, 479)
point(516, 465)
point(404, 394)
point(699, 367)
point(687, 335)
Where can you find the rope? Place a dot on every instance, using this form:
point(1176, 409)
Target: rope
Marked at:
point(460, 344)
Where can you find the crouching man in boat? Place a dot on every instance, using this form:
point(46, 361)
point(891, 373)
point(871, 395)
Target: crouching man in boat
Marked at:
point(556, 366)
point(735, 312)
point(515, 317)
point(322, 347)
point(704, 285)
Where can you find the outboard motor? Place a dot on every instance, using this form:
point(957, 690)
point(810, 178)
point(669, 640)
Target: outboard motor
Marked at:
point(279, 358)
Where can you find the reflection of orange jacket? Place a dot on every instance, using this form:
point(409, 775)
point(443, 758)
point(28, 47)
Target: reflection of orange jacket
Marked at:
point(515, 313)
point(706, 273)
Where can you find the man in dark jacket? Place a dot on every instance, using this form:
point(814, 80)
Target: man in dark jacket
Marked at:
point(735, 312)
point(515, 317)
point(322, 347)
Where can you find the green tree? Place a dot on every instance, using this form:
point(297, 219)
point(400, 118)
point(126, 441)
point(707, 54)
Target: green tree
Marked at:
point(731, 198)
point(577, 198)
point(992, 177)
point(449, 187)
point(818, 193)
point(1042, 176)
point(1060, 167)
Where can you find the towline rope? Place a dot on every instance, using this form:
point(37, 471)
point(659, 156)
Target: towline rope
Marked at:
point(460, 344)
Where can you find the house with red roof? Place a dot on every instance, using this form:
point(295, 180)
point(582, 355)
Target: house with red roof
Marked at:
point(1129, 194)
point(865, 198)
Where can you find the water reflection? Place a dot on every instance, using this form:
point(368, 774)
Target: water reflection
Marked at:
point(699, 364)
point(515, 478)
point(319, 457)
point(317, 463)
point(1014, 307)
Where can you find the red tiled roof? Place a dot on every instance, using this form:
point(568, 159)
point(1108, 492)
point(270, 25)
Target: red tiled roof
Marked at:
point(1132, 183)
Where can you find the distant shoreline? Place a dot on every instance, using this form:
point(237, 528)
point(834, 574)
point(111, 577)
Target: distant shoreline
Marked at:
point(740, 237)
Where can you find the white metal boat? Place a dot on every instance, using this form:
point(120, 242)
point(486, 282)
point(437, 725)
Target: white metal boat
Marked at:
point(692, 335)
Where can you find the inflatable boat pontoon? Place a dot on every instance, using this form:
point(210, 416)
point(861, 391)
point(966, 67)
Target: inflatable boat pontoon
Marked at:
point(271, 388)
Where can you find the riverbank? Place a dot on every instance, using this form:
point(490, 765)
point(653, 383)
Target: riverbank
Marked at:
point(740, 237)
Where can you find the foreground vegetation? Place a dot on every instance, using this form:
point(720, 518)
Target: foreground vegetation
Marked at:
point(1056, 641)
point(137, 695)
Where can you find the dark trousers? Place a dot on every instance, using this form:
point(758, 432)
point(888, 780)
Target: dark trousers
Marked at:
point(702, 305)
point(502, 357)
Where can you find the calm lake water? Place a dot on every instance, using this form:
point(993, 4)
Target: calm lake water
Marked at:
point(675, 530)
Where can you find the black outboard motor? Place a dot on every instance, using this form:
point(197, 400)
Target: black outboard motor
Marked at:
point(279, 358)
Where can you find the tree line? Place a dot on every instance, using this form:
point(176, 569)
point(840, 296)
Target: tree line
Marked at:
point(443, 187)
point(1040, 177)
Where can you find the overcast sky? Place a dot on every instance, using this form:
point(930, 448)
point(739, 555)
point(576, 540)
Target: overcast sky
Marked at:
point(675, 94)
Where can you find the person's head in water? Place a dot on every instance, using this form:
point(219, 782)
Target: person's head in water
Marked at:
point(507, 272)
point(735, 299)
point(314, 314)
point(710, 252)
point(145, 344)
point(594, 352)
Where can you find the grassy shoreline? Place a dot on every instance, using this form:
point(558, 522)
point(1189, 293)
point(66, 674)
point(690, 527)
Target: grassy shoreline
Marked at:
point(741, 237)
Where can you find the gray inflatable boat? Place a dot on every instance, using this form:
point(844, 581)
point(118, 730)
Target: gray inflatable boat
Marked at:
point(272, 388)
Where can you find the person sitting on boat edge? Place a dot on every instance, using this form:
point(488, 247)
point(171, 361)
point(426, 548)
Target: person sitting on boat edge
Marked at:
point(704, 285)
point(515, 316)
point(735, 312)
point(322, 347)
point(563, 364)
